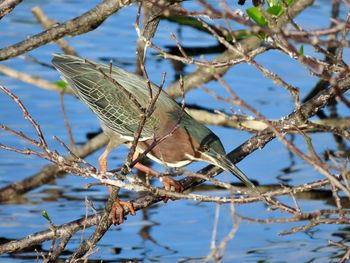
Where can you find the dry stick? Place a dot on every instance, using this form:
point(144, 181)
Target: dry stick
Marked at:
point(316, 222)
point(213, 248)
point(318, 160)
point(33, 80)
point(47, 23)
point(330, 58)
point(217, 252)
point(340, 131)
point(66, 122)
point(7, 6)
point(313, 64)
point(53, 157)
point(339, 53)
point(29, 183)
point(61, 232)
point(20, 135)
point(308, 216)
point(150, 24)
point(212, 180)
point(79, 25)
point(211, 64)
point(339, 56)
point(76, 158)
point(182, 51)
point(268, 74)
point(346, 255)
point(190, 60)
point(307, 109)
point(103, 225)
point(42, 142)
point(231, 234)
point(60, 247)
point(205, 74)
point(274, 77)
point(321, 42)
point(314, 42)
point(49, 172)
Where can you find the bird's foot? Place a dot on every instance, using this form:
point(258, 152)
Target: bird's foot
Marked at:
point(171, 185)
point(118, 209)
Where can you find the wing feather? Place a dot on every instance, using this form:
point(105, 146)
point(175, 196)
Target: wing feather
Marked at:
point(108, 98)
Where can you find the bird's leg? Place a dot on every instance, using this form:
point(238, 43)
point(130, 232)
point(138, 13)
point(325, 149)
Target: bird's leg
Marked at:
point(146, 170)
point(118, 206)
point(102, 160)
point(168, 183)
point(171, 185)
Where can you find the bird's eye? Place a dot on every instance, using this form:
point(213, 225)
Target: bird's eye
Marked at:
point(206, 148)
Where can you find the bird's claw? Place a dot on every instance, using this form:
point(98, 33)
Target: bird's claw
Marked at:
point(118, 208)
point(171, 185)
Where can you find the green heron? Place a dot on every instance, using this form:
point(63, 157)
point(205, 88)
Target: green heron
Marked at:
point(116, 97)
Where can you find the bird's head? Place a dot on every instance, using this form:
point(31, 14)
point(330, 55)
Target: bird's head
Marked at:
point(208, 147)
point(212, 151)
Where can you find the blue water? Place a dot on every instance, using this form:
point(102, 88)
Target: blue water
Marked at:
point(180, 230)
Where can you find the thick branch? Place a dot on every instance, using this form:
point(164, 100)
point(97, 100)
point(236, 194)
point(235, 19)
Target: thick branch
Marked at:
point(79, 25)
point(7, 6)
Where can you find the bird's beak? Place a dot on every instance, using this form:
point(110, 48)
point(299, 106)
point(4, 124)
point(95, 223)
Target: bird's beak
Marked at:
point(223, 162)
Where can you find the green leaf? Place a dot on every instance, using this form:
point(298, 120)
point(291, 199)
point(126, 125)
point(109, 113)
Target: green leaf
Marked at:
point(288, 2)
point(61, 84)
point(255, 14)
point(45, 215)
point(275, 10)
point(229, 38)
point(301, 51)
point(271, 3)
point(243, 35)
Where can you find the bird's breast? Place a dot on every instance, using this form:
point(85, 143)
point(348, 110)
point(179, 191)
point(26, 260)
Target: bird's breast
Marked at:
point(175, 151)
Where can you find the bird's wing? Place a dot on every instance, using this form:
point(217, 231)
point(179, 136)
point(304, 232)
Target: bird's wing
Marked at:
point(118, 106)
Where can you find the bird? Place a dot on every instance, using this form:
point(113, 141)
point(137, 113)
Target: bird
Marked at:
point(118, 98)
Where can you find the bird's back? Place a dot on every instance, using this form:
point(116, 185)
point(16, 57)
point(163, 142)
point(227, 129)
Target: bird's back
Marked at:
point(116, 96)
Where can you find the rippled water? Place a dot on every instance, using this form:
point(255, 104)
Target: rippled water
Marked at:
point(180, 230)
